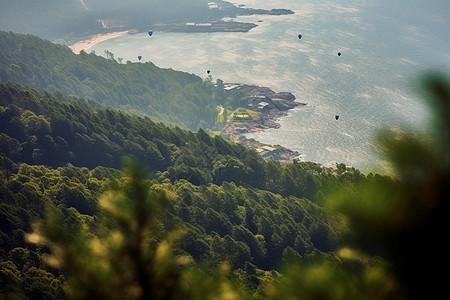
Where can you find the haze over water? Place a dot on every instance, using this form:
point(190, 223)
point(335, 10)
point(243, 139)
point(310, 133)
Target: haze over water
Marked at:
point(385, 46)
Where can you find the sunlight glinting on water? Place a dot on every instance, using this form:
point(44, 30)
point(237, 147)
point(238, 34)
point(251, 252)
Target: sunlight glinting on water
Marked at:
point(371, 85)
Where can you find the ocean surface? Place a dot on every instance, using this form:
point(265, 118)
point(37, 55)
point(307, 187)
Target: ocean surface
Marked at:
point(386, 45)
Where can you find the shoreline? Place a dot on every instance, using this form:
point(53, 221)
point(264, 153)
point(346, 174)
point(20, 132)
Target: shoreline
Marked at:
point(95, 39)
point(263, 111)
point(270, 106)
point(214, 23)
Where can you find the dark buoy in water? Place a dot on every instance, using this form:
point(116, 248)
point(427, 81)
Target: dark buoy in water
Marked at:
point(299, 36)
point(337, 117)
point(208, 71)
point(339, 53)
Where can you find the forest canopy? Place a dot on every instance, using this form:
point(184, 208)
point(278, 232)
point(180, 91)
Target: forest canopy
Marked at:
point(194, 215)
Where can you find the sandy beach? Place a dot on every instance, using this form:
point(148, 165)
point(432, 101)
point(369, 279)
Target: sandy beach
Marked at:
point(85, 45)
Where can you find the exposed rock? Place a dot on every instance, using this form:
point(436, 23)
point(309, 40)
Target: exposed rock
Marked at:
point(270, 105)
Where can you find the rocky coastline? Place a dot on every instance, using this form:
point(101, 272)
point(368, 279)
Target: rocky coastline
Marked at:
point(268, 107)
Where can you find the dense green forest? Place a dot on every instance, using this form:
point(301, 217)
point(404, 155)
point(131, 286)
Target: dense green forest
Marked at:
point(222, 223)
point(38, 128)
point(168, 95)
point(234, 206)
point(193, 215)
point(63, 150)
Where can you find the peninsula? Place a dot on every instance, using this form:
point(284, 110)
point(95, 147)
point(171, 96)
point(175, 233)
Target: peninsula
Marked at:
point(217, 17)
point(263, 110)
point(214, 21)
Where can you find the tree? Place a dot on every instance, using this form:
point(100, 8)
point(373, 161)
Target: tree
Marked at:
point(35, 125)
point(257, 249)
point(132, 256)
point(10, 147)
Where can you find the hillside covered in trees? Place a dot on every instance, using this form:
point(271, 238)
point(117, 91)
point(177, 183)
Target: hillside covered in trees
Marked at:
point(165, 94)
point(64, 151)
point(195, 216)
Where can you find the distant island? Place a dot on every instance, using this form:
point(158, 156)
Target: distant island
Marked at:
point(71, 21)
point(220, 9)
point(215, 23)
point(216, 18)
point(215, 26)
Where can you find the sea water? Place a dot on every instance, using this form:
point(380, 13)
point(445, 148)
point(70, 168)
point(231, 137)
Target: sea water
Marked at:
point(385, 46)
